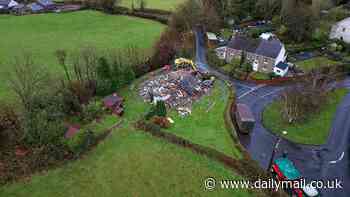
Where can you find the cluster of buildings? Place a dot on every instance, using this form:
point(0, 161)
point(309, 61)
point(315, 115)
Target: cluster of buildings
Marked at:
point(266, 54)
point(40, 6)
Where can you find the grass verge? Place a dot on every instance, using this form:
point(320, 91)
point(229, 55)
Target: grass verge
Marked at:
point(315, 130)
point(206, 124)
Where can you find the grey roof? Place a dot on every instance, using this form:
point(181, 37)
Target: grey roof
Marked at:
point(282, 65)
point(243, 43)
point(267, 48)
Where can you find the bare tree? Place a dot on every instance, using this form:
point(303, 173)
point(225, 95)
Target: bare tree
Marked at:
point(27, 79)
point(307, 97)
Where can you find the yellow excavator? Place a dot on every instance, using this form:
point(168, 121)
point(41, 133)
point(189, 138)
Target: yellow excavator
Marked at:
point(183, 63)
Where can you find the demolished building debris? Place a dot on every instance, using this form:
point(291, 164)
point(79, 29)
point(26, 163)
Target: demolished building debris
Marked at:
point(178, 89)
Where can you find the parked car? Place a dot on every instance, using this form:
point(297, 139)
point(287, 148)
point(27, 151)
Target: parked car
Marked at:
point(283, 169)
point(244, 118)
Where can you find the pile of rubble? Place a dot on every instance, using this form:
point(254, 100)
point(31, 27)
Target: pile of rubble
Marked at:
point(178, 89)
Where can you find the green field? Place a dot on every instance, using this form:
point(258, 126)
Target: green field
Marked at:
point(314, 131)
point(154, 4)
point(43, 34)
point(316, 62)
point(130, 163)
point(206, 124)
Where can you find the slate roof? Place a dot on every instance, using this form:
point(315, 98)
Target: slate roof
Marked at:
point(282, 66)
point(243, 43)
point(267, 48)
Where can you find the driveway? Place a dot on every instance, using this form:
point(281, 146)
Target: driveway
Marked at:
point(326, 162)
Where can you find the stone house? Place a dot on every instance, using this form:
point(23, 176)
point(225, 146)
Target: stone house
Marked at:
point(263, 54)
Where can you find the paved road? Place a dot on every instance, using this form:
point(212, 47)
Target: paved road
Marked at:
point(326, 162)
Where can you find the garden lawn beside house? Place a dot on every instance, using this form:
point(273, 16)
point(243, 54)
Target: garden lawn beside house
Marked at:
point(315, 62)
point(315, 130)
point(43, 34)
point(260, 76)
point(133, 163)
point(167, 5)
point(206, 125)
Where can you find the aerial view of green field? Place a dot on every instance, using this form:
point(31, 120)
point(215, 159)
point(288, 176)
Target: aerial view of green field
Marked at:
point(43, 34)
point(155, 4)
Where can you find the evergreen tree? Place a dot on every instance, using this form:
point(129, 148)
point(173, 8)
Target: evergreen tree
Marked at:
point(161, 109)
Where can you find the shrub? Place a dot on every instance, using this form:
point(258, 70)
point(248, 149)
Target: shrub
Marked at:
point(161, 121)
point(8, 118)
point(9, 123)
point(161, 109)
point(39, 130)
point(70, 102)
point(150, 113)
point(91, 111)
point(81, 142)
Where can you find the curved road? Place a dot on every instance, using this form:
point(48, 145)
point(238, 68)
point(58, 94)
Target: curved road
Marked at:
point(326, 162)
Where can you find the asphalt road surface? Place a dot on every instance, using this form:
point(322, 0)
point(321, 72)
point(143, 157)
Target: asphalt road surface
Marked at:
point(326, 162)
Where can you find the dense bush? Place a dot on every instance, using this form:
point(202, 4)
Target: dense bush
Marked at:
point(91, 111)
point(161, 109)
point(41, 130)
point(214, 60)
point(9, 119)
point(161, 121)
point(9, 124)
point(71, 103)
point(81, 141)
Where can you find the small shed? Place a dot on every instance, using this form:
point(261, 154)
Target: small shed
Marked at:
point(244, 118)
point(213, 40)
point(114, 103)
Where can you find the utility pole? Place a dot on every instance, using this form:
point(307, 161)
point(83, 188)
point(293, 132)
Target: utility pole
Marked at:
point(275, 148)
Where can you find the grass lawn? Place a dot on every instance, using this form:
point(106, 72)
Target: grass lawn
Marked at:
point(316, 62)
point(314, 131)
point(154, 4)
point(227, 68)
point(43, 34)
point(129, 163)
point(206, 124)
point(260, 76)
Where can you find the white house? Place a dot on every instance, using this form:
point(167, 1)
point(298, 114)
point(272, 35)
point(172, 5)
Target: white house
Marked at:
point(281, 69)
point(341, 30)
